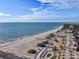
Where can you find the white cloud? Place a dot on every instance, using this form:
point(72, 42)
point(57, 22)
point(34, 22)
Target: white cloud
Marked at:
point(48, 12)
point(62, 4)
point(36, 9)
point(4, 14)
point(41, 15)
point(38, 14)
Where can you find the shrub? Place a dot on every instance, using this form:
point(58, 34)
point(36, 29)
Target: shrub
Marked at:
point(32, 51)
point(48, 55)
point(45, 42)
point(51, 35)
point(41, 45)
point(48, 37)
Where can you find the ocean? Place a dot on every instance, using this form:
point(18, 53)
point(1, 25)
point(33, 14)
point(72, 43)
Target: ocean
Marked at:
point(9, 31)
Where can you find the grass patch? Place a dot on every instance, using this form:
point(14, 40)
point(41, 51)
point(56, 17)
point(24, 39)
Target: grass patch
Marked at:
point(53, 57)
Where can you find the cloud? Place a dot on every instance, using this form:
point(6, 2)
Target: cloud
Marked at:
point(4, 14)
point(40, 13)
point(32, 17)
point(36, 15)
point(62, 4)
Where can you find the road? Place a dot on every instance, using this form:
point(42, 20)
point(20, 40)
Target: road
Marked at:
point(69, 45)
point(45, 49)
point(40, 55)
point(69, 52)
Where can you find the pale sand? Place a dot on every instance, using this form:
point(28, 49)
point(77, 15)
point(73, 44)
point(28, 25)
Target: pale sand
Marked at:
point(20, 47)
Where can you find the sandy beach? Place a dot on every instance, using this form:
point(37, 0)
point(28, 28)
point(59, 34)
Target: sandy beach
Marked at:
point(20, 47)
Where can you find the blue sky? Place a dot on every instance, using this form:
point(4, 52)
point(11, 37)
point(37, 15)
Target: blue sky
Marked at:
point(39, 10)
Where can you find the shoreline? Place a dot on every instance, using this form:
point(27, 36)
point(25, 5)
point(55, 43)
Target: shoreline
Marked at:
point(2, 41)
point(35, 35)
point(20, 47)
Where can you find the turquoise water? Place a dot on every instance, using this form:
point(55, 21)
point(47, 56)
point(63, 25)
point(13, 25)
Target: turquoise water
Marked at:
point(15, 30)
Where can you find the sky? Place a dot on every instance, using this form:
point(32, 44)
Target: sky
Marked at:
point(39, 10)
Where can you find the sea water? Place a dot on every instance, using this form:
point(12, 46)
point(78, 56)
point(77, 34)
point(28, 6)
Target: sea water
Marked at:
point(16, 30)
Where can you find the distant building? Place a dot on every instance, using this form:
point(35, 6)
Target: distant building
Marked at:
point(73, 27)
point(68, 28)
point(76, 28)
